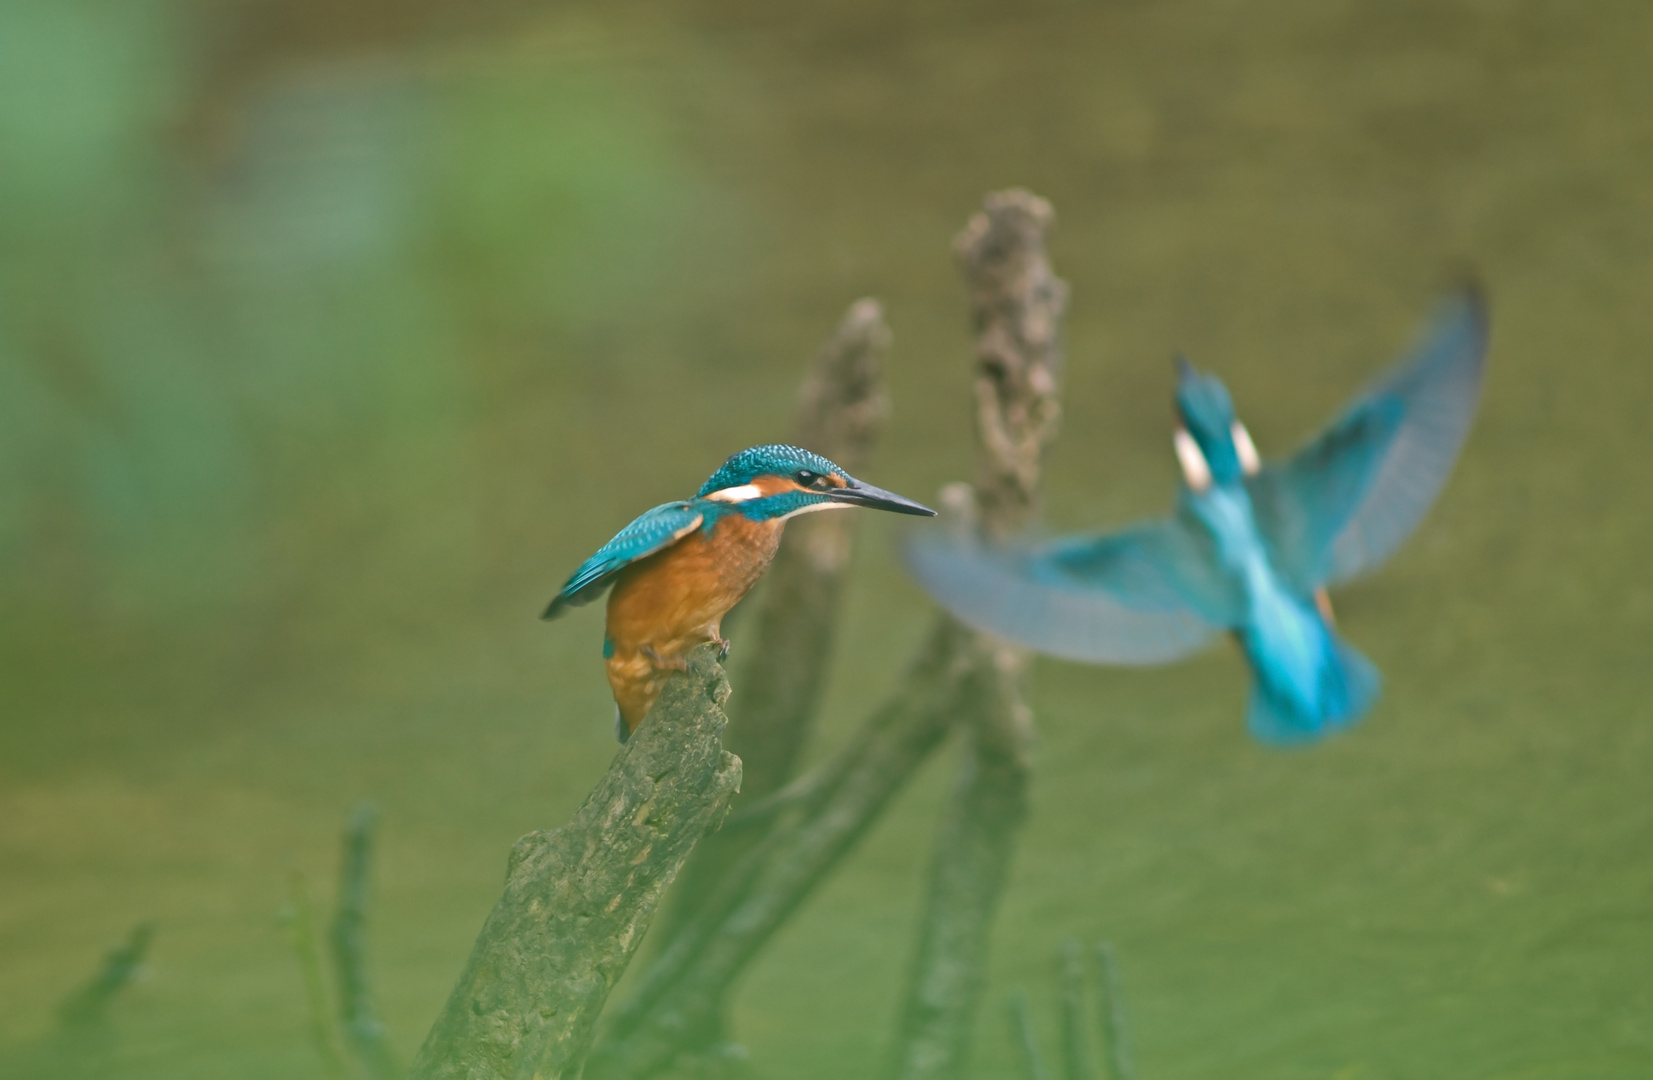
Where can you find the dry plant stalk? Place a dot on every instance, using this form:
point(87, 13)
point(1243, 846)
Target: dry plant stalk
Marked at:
point(1016, 309)
point(841, 411)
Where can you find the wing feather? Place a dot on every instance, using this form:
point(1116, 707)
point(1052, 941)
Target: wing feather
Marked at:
point(1133, 597)
point(1347, 500)
point(658, 529)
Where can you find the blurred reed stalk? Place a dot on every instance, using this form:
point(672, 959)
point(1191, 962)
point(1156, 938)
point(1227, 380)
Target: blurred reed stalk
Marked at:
point(1073, 980)
point(1022, 1034)
point(85, 1042)
point(301, 930)
point(358, 1014)
point(355, 1022)
point(89, 1005)
point(1117, 1048)
point(1076, 1048)
point(957, 679)
point(578, 899)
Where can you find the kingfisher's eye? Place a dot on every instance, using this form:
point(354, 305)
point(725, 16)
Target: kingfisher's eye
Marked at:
point(804, 477)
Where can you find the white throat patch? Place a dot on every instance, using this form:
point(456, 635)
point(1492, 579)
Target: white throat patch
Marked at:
point(1195, 472)
point(825, 504)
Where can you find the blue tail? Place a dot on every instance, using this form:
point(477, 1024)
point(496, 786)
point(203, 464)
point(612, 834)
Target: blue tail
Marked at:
point(1348, 685)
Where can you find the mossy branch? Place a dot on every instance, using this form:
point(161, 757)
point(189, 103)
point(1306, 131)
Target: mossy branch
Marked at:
point(676, 1003)
point(578, 899)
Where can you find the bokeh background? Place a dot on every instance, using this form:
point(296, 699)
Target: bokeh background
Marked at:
point(333, 335)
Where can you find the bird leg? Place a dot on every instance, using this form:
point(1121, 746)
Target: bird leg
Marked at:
point(721, 642)
point(1323, 601)
point(676, 663)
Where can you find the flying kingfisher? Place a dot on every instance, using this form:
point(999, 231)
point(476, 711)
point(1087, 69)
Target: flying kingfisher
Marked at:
point(679, 568)
point(1250, 548)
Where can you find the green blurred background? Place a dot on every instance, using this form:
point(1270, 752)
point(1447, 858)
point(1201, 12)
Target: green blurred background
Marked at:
point(332, 336)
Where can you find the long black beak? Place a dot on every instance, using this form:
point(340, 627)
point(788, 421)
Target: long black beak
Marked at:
point(859, 494)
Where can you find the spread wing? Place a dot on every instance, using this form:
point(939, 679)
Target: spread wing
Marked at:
point(1144, 595)
point(655, 530)
point(1347, 500)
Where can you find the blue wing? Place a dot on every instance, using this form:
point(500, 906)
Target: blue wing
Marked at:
point(1344, 503)
point(657, 529)
point(1143, 595)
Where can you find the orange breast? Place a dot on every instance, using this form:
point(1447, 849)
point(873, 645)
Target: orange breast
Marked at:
point(674, 600)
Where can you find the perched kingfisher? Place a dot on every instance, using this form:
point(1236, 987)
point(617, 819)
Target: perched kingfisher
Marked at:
point(679, 568)
point(1250, 548)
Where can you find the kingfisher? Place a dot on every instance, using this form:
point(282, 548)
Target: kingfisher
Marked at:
point(1250, 547)
point(679, 568)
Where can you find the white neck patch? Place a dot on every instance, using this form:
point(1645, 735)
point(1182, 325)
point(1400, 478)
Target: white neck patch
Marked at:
point(1195, 472)
point(739, 494)
point(1251, 463)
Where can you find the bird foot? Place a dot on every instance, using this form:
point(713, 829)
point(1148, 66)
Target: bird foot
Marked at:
point(661, 663)
point(722, 644)
point(1323, 601)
